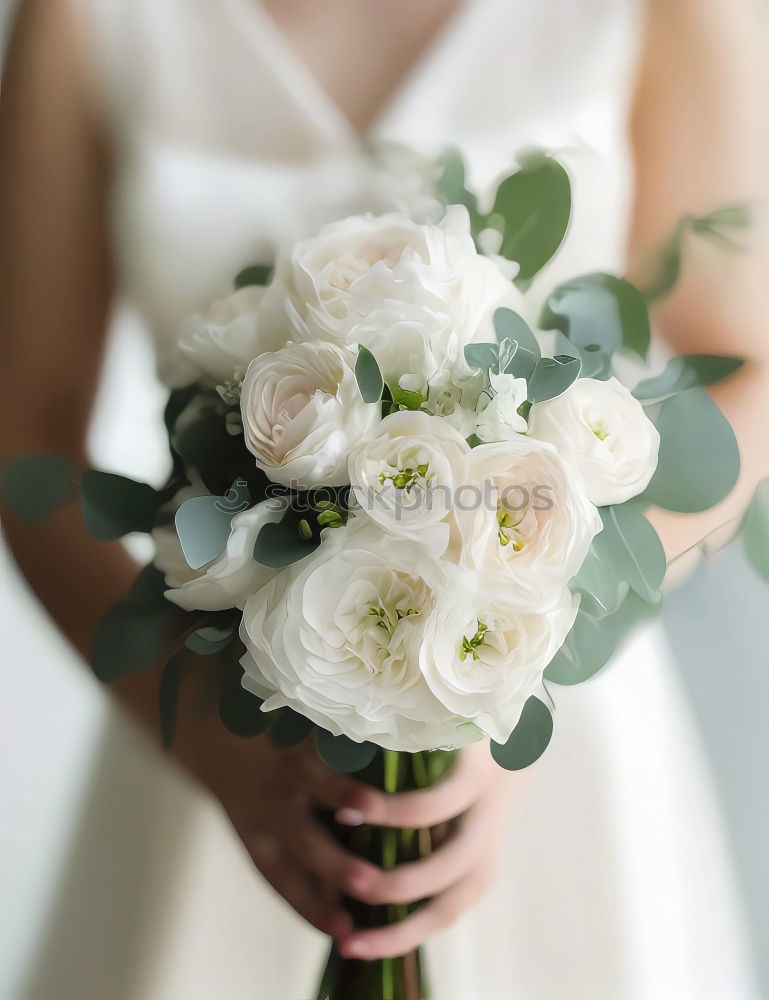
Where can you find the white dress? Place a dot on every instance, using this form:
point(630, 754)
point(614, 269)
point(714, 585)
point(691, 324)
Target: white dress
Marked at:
point(616, 882)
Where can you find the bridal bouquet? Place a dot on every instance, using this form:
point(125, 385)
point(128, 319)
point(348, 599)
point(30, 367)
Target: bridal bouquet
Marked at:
point(404, 502)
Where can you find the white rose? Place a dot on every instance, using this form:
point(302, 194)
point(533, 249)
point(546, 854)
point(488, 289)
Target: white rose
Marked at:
point(603, 430)
point(302, 412)
point(233, 576)
point(226, 336)
point(483, 657)
point(500, 419)
point(524, 516)
point(337, 638)
point(404, 474)
point(362, 277)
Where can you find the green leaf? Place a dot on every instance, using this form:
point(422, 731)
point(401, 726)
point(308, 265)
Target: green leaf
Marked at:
point(534, 205)
point(699, 460)
point(588, 647)
point(130, 638)
point(638, 552)
point(516, 360)
point(598, 580)
point(279, 545)
point(255, 274)
point(599, 310)
point(685, 373)
point(450, 187)
point(203, 524)
point(168, 697)
point(342, 754)
point(483, 357)
point(149, 586)
point(756, 529)
point(207, 641)
point(528, 741)
point(595, 364)
point(113, 506)
point(289, 728)
point(551, 377)
point(626, 553)
point(35, 485)
point(405, 399)
point(508, 325)
point(240, 711)
point(370, 381)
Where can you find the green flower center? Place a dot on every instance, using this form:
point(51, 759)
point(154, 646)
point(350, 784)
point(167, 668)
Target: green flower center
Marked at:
point(406, 479)
point(470, 647)
point(507, 523)
point(388, 619)
point(600, 432)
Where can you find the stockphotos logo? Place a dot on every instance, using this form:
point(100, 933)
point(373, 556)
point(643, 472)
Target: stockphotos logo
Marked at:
point(466, 497)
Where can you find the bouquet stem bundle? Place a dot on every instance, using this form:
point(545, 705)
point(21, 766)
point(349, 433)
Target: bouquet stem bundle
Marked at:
point(401, 978)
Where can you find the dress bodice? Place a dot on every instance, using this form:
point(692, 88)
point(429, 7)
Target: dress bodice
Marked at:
point(226, 145)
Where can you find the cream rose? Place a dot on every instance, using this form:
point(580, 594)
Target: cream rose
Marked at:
point(226, 337)
point(482, 656)
point(604, 432)
point(302, 412)
point(231, 578)
point(363, 277)
point(524, 516)
point(404, 474)
point(337, 638)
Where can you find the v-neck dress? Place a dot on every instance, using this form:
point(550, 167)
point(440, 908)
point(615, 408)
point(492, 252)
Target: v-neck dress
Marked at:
point(615, 881)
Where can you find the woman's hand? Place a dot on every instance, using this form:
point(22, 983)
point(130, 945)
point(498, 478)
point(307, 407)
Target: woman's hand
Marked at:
point(271, 796)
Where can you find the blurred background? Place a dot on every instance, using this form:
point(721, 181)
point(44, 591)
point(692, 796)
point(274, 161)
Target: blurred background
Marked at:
point(58, 734)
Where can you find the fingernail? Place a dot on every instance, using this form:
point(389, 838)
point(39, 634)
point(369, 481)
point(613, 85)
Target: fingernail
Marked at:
point(349, 817)
point(352, 949)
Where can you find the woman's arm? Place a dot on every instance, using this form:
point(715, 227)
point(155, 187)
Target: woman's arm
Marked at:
point(699, 130)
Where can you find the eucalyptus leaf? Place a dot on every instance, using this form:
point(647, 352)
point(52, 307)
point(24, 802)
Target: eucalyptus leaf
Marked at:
point(551, 377)
point(207, 641)
point(509, 325)
point(288, 728)
point(203, 524)
point(130, 638)
point(699, 460)
point(240, 711)
point(756, 529)
point(370, 381)
point(279, 545)
point(685, 373)
point(599, 310)
point(35, 485)
point(342, 754)
point(483, 357)
point(639, 555)
point(168, 697)
point(588, 647)
point(452, 190)
point(528, 741)
point(255, 274)
point(518, 361)
point(595, 363)
point(598, 581)
point(113, 506)
point(534, 205)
